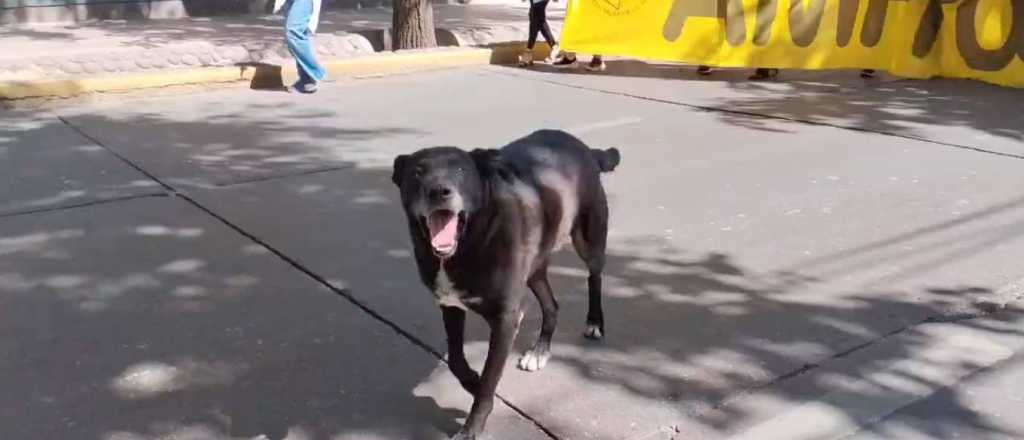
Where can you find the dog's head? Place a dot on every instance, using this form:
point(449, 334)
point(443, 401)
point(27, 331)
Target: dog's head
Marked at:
point(441, 188)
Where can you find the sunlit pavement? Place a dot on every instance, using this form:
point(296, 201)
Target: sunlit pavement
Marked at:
point(812, 258)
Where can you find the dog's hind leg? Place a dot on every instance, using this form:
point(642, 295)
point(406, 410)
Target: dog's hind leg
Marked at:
point(590, 237)
point(537, 357)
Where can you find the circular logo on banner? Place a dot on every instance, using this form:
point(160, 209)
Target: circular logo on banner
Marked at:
point(619, 7)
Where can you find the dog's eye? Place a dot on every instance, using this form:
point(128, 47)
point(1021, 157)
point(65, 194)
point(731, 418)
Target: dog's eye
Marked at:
point(418, 171)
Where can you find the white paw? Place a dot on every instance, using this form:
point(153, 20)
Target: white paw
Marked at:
point(593, 332)
point(463, 436)
point(531, 361)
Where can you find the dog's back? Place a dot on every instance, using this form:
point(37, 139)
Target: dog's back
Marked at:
point(564, 176)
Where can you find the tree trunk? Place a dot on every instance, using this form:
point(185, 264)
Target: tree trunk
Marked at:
point(413, 24)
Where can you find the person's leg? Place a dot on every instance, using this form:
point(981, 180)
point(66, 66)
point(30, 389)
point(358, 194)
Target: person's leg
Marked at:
point(297, 35)
point(545, 30)
point(536, 18)
point(543, 19)
point(536, 14)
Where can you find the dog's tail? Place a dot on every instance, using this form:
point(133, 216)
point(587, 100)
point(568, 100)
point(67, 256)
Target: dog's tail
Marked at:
point(607, 160)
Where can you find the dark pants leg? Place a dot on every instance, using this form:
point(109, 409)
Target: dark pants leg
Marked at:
point(539, 24)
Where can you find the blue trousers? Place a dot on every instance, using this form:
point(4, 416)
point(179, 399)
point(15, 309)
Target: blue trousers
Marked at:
point(300, 43)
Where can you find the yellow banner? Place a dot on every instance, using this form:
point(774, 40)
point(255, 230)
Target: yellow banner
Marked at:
point(977, 39)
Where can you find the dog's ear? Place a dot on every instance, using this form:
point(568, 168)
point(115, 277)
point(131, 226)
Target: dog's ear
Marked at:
point(399, 168)
point(484, 158)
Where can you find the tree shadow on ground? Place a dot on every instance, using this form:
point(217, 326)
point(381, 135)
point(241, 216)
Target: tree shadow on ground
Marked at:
point(144, 317)
point(45, 164)
point(153, 319)
point(701, 332)
point(262, 142)
point(914, 108)
point(148, 319)
point(690, 330)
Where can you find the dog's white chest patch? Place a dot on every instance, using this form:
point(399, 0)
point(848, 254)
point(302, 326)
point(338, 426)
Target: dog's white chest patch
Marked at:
point(445, 292)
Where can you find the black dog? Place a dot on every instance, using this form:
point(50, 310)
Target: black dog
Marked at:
point(484, 224)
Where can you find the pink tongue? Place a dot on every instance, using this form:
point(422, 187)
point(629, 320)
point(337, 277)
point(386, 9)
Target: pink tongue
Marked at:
point(442, 230)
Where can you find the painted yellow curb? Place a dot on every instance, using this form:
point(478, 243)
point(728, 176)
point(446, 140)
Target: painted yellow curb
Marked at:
point(71, 87)
point(371, 65)
point(401, 62)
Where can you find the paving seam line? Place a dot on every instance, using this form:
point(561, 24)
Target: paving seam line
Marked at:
point(85, 204)
point(301, 268)
point(273, 177)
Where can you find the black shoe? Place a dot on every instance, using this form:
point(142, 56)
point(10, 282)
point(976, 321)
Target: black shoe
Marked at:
point(565, 61)
point(704, 70)
point(763, 74)
point(867, 73)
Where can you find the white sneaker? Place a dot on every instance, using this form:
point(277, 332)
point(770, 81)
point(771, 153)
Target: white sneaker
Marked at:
point(556, 52)
point(526, 59)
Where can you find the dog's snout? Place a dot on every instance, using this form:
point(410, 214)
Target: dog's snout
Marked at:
point(440, 193)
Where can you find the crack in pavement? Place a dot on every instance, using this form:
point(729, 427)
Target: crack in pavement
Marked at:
point(712, 109)
point(273, 177)
point(985, 309)
point(294, 263)
point(83, 204)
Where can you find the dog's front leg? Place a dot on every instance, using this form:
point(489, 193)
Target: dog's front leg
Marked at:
point(454, 327)
point(503, 332)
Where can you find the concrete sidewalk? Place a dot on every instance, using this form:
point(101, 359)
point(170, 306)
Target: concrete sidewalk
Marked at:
point(820, 257)
point(41, 54)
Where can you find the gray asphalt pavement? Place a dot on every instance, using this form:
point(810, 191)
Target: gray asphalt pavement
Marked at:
point(815, 258)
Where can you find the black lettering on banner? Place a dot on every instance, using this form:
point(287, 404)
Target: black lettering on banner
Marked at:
point(979, 58)
point(928, 28)
point(735, 24)
point(847, 19)
point(765, 19)
point(874, 22)
point(729, 10)
point(804, 20)
point(684, 9)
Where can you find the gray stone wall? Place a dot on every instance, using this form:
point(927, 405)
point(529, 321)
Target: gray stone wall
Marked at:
point(38, 11)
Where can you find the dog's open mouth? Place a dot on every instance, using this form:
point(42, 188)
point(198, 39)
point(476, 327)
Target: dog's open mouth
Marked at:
point(443, 226)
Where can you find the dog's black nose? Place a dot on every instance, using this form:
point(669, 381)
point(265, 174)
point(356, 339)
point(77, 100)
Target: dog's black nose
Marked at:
point(440, 193)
